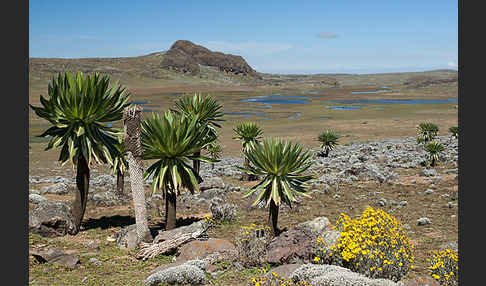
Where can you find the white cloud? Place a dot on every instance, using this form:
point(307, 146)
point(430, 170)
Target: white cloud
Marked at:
point(247, 48)
point(452, 64)
point(327, 35)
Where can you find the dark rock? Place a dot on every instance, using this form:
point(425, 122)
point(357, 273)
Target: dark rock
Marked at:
point(54, 255)
point(198, 249)
point(185, 56)
point(297, 244)
point(51, 218)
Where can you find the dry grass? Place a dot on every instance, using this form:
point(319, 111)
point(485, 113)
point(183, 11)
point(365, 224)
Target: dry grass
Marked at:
point(394, 121)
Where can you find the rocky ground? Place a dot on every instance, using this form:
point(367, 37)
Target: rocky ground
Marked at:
point(389, 174)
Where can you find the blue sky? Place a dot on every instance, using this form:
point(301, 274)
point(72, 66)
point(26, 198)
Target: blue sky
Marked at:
point(273, 36)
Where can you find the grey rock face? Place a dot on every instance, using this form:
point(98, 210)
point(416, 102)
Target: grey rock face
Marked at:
point(51, 218)
point(35, 199)
point(127, 238)
point(57, 189)
point(54, 255)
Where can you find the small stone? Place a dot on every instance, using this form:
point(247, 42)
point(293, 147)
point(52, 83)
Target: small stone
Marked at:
point(403, 203)
point(451, 205)
point(423, 221)
point(336, 196)
point(94, 261)
point(445, 196)
point(429, 191)
point(382, 202)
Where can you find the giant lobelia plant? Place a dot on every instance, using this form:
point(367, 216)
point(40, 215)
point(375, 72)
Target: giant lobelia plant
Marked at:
point(173, 140)
point(77, 107)
point(282, 166)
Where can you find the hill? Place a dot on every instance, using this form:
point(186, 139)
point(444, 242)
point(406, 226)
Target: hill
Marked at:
point(186, 63)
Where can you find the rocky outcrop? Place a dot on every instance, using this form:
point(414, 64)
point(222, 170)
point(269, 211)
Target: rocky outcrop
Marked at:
point(298, 244)
point(50, 219)
point(424, 81)
point(185, 56)
point(54, 255)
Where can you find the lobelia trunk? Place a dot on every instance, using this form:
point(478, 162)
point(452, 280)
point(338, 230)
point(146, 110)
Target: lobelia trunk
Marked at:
point(196, 164)
point(82, 186)
point(170, 210)
point(120, 184)
point(273, 218)
point(248, 177)
point(132, 141)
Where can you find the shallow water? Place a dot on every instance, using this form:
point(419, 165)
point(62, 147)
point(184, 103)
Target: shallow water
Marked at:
point(397, 101)
point(279, 99)
point(350, 107)
point(371, 92)
point(245, 113)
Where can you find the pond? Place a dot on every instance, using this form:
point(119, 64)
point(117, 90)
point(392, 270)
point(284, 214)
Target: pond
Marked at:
point(279, 99)
point(349, 107)
point(396, 101)
point(371, 91)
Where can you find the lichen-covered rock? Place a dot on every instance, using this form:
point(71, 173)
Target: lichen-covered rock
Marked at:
point(332, 275)
point(35, 198)
point(51, 218)
point(191, 272)
point(57, 189)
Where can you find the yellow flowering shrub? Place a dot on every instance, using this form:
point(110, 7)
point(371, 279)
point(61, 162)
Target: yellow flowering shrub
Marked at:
point(208, 219)
point(443, 266)
point(374, 244)
point(273, 280)
point(251, 244)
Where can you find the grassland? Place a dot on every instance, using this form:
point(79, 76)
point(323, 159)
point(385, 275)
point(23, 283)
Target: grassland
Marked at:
point(147, 82)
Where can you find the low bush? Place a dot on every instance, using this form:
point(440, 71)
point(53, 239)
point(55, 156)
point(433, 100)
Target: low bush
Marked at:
point(374, 244)
point(443, 266)
point(252, 243)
